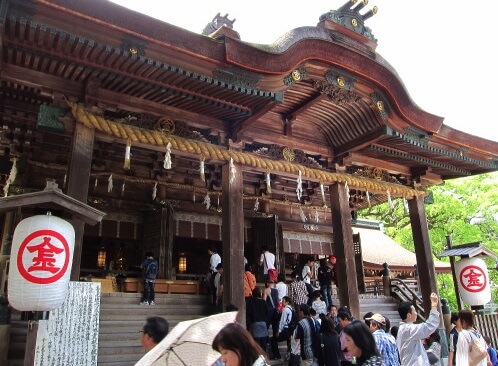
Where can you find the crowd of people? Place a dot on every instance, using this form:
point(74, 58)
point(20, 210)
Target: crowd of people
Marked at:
point(316, 332)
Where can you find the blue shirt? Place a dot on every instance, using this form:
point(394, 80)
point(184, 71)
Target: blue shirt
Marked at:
point(387, 347)
point(493, 356)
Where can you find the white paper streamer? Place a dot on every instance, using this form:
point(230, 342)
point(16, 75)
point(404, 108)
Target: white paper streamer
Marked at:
point(302, 215)
point(167, 158)
point(347, 190)
point(317, 217)
point(126, 165)
point(368, 199)
point(123, 188)
point(322, 192)
point(154, 192)
point(207, 201)
point(109, 185)
point(201, 170)
point(256, 204)
point(65, 180)
point(193, 197)
point(268, 183)
point(299, 189)
point(12, 177)
point(391, 204)
point(405, 205)
point(96, 182)
point(232, 171)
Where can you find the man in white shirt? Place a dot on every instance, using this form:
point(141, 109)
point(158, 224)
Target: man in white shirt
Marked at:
point(307, 271)
point(214, 260)
point(410, 335)
point(267, 260)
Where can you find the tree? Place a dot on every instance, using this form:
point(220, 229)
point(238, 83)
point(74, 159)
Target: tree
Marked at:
point(465, 209)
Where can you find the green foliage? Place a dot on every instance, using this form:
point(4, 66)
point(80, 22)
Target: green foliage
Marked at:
point(464, 209)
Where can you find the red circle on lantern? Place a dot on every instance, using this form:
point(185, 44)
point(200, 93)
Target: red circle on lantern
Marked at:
point(42, 280)
point(479, 269)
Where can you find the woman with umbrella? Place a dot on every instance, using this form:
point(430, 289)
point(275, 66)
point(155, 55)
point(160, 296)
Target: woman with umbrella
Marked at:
point(237, 347)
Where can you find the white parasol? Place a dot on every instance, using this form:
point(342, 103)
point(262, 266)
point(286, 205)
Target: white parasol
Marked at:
point(189, 343)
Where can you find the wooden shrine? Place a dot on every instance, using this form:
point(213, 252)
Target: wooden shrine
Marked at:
point(190, 140)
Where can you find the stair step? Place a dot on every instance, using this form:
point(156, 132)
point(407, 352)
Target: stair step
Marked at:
point(120, 358)
point(121, 318)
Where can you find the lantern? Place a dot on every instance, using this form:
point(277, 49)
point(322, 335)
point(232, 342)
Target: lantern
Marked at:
point(42, 255)
point(182, 264)
point(101, 257)
point(473, 281)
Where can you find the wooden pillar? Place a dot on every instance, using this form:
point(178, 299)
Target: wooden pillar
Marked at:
point(78, 182)
point(7, 233)
point(425, 262)
point(343, 248)
point(233, 240)
point(449, 243)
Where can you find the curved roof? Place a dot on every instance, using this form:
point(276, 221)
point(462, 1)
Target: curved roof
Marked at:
point(378, 248)
point(321, 91)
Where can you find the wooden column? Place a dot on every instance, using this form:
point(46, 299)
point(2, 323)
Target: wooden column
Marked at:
point(78, 182)
point(233, 241)
point(343, 248)
point(425, 262)
point(8, 231)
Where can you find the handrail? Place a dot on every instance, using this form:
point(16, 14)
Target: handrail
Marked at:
point(403, 292)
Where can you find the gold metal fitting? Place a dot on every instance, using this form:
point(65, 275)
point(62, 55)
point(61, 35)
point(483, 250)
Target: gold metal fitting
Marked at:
point(296, 75)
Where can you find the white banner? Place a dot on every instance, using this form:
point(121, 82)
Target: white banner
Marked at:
point(71, 334)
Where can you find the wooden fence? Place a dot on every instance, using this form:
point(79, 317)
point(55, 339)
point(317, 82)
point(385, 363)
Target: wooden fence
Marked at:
point(488, 325)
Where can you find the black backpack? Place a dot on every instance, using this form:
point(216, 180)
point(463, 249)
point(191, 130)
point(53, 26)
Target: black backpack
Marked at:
point(315, 339)
point(151, 270)
point(293, 322)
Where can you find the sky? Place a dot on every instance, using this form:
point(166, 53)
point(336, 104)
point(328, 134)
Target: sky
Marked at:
point(442, 50)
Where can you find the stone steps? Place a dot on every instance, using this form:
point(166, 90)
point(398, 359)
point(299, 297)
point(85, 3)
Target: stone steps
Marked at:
point(121, 318)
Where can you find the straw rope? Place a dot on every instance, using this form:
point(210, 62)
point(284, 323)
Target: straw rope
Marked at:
point(136, 134)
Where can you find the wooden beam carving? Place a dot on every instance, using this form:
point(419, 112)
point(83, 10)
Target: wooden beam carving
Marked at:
point(239, 127)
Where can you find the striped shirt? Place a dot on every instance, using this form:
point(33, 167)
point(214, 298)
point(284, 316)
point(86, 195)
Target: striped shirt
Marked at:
point(298, 292)
point(303, 333)
point(387, 347)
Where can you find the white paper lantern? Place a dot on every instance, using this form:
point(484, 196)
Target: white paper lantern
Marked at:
point(473, 281)
point(41, 260)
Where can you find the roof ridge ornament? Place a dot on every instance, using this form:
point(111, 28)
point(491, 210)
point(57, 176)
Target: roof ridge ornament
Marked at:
point(350, 17)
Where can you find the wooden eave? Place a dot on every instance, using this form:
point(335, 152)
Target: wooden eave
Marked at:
point(55, 200)
point(81, 51)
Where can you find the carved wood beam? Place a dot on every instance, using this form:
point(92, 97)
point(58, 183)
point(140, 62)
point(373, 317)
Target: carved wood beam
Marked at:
point(359, 143)
point(270, 137)
point(426, 177)
point(304, 107)
point(40, 80)
point(239, 126)
point(44, 81)
point(357, 159)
